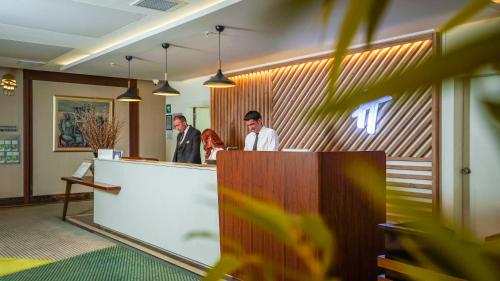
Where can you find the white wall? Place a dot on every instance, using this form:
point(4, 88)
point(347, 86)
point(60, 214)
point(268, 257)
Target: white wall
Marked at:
point(11, 113)
point(193, 94)
point(49, 166)
point(151, 122)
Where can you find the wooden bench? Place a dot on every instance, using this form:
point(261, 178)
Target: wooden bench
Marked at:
point(86, 181)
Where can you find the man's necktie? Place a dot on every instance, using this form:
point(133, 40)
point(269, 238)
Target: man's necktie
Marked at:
point(256, 141)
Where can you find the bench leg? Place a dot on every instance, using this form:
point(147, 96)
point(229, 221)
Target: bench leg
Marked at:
point(66, 199)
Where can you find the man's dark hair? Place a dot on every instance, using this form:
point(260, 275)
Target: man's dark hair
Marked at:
point(181, 118)
point(252, 115)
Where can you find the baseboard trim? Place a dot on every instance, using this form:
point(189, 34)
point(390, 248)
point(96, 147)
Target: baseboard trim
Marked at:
point(42, 199)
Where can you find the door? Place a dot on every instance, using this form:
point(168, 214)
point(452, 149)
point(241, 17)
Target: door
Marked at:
point(481, 167)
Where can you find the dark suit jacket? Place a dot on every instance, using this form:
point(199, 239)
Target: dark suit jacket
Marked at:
point(189, 150)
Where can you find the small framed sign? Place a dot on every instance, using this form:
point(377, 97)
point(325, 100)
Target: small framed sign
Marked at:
point(82, 170)
point(168, 119)
point(168, 109)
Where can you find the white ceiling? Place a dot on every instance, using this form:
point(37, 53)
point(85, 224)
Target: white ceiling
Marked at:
point(93, 36)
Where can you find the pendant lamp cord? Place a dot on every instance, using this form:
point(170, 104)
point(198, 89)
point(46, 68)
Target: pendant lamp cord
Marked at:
point(220, 64)
point(166, 63)
point(129, 73)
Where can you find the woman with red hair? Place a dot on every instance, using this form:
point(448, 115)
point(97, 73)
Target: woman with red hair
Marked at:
point(211, 143)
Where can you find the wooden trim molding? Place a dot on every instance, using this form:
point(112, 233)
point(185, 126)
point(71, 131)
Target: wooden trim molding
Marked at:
point(436, 131)
point(133, 116)
point(34, 75)
point(75, 78)
point(19, 201)
point(27, 139)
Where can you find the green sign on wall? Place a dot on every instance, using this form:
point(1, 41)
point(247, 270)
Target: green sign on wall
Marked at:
point(168, 108)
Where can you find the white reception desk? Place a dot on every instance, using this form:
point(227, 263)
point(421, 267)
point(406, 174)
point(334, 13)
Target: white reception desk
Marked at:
point(159, 204)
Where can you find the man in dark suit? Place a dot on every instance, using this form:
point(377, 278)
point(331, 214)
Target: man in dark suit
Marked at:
point(187, 149)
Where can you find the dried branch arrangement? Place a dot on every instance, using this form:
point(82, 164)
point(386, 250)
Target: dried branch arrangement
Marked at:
point(98, 131)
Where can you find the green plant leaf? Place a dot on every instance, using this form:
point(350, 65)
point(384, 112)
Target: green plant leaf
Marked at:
point(327, 11)
point(202, 234)
point(318, 232)
point(227, 264)
point(356, 13)
point(472, 8)
point(470, 56)
point(267, 216)
point(465, 256)
point(494, 110)
point(375, 15)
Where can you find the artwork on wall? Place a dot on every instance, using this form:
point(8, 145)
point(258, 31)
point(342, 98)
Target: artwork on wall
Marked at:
point(66, 134)
point(168, 119)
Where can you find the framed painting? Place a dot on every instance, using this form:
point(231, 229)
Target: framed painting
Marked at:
point(67, 136)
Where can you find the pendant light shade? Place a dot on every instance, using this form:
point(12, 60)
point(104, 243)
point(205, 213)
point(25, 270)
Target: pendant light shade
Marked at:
point(166, 89)
point(219, 80)
point(130, 94)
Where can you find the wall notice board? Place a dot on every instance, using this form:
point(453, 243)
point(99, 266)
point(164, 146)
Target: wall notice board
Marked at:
point(10, 150)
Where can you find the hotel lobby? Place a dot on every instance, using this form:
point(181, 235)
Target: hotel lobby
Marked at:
point(250, 140)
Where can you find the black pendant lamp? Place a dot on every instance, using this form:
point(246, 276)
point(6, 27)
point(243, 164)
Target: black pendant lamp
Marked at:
point(219, 80)
point(131, 94)
point(166, 89)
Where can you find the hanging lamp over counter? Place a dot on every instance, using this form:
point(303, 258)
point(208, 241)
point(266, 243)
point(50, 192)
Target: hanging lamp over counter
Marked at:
point(219, 80)
point(130, 94)
point(166, 89)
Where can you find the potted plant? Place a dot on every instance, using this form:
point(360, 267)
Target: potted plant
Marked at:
point(97, 130)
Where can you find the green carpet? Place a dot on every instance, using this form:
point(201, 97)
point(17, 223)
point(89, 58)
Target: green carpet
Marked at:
point(114, 263)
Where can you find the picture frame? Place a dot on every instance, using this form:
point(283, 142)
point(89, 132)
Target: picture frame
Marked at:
point(66, 134)
point(169, 121)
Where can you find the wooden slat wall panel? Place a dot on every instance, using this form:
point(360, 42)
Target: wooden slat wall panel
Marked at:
point(228, 106)
point(284, 95)
point(403, 123)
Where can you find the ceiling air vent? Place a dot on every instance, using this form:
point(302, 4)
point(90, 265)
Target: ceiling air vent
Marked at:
point(159, 5)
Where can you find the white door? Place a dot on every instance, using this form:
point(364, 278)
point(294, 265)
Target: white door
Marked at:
point(483, 157)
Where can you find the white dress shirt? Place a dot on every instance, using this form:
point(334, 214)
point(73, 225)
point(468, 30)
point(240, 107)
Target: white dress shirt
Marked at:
point(268, 140)
point(185, 134)
point(214, 152)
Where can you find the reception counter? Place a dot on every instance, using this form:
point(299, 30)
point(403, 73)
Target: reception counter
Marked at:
point(159, 204)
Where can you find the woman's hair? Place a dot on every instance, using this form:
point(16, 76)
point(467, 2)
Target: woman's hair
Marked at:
point(215, 139)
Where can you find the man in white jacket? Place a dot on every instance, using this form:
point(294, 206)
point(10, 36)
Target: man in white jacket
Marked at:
point(260, 137)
